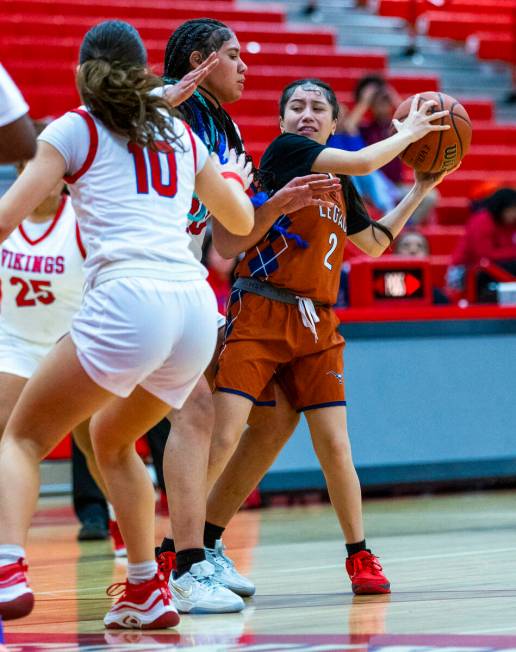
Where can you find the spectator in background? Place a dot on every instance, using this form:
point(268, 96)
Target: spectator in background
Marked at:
point(375, 188)
point(17, 134)
point(490, 235)
point(413, 244)
point(373, 94)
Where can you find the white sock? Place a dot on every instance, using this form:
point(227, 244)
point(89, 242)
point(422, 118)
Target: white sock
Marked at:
point(142, 572)
point(111, 512)
point(10, 554)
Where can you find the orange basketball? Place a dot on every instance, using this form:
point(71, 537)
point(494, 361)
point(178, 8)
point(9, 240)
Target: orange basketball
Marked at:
point(438, 150)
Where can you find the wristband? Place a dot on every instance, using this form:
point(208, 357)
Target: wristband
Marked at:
point(233, 175)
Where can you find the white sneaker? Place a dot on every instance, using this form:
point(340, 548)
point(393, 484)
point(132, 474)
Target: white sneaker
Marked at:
point(226, 573)
point(199, 592)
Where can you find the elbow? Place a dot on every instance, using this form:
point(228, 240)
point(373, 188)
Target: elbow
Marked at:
point(365, 165)
point(27, 150)
point(244, 227)
point(376, 252)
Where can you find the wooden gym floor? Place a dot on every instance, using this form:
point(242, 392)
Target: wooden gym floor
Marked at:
point(451, 561)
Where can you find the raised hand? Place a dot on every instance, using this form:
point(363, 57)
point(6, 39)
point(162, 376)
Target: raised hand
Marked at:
point(304, 191)
point(419, 122)
point(427, 180)
point(185, 88)
point(236, 166)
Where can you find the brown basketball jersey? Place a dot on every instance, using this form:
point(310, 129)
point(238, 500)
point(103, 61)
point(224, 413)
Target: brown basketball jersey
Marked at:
point(303, 251)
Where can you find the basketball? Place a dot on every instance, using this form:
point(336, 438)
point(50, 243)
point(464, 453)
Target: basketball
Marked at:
point(438, 150)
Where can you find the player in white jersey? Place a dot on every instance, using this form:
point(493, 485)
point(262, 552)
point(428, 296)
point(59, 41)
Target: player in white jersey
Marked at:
point(146, 328)
point(41, 287)
point(205, 54)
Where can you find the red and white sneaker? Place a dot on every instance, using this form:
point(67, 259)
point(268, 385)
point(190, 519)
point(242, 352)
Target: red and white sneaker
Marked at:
point(147, 605)
point(116, 538)
point(365, 573)
point(166, 563)
point(16, 596)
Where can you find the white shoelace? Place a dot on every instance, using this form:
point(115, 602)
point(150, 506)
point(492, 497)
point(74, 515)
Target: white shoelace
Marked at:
point(308, 314)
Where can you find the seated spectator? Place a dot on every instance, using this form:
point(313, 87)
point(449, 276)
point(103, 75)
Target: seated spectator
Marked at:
point(375, 96)
point(412, 243)
point(490, 236)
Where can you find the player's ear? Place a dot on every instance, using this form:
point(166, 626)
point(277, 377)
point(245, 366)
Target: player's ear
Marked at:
point(333, 127)
point(195, 59)
point(282, 125)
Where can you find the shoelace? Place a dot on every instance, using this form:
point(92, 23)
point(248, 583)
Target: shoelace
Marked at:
point(221, 557)
point(371, 563)
point(120, 589)
point(165, 563)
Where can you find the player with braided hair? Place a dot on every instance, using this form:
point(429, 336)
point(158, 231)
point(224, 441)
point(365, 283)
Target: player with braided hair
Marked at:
point(205, 71)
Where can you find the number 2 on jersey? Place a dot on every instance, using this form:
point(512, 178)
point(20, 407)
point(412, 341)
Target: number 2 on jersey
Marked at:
point(32, 291)
point(333, 241)
point(167, 189)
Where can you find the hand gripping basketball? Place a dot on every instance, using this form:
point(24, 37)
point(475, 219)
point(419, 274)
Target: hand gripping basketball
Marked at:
point(446, 143)
point(420, 120)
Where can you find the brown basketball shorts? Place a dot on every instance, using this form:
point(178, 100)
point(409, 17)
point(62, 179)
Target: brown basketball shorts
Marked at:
point(266, 341)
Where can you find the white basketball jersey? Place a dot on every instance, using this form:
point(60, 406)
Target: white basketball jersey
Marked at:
point(42, 278)
point(132, 203)
point(199, 216)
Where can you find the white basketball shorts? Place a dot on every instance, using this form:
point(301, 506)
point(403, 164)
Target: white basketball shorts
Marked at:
point(18, 356)
point(159, 334)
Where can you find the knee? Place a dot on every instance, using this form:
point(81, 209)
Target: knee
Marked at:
point(29, 446)
point(198, 412)
point(225, 438)
point(334, 447)
point(106, 448)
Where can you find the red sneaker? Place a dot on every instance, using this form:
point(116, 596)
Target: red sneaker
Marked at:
point(365, 573)
point(166, 563)
point(16, 596)
point(116, 538)
point(142, 606)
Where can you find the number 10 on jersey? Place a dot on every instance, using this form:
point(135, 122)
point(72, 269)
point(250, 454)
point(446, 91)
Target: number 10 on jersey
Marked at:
point(145, 158)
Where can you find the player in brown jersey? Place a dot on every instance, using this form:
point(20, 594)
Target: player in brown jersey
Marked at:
point(280, 321)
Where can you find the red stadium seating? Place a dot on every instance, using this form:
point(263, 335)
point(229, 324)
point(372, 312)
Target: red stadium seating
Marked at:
point(491, 45)
point(459, 26)
point(442, 240)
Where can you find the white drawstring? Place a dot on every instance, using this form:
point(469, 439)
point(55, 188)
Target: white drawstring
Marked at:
point(308, 314)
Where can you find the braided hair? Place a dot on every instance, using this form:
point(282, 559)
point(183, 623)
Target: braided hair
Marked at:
point(208, 120)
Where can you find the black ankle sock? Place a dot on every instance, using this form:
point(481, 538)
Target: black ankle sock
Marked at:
point(167, 545)
point(185, 559)
point(211, 534)
point(353, 548)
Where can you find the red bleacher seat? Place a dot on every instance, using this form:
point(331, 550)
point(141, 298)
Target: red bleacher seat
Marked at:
point(491, 45)
point(452, 211)
point(458, 26)
point(224, 11)
point(442, 240)
point(150, 29)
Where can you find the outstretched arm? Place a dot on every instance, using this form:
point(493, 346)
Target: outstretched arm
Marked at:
point(417, 124)
point(38, 178)
point(298, 193)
